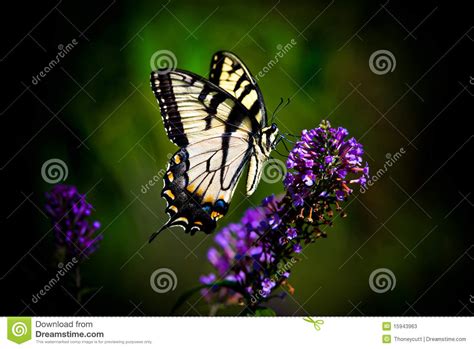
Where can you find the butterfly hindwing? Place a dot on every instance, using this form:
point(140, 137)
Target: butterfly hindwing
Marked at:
point(201, 179)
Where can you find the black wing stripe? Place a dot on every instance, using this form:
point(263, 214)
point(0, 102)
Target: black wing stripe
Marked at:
point(239, 82)
point(229, 72)
point(169, 109)
point(247, 90)
point(179, 91)
point(225, 153)
point(215, 102)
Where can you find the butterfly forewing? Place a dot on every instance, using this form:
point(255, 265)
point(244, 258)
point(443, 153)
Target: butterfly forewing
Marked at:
point(230, 73)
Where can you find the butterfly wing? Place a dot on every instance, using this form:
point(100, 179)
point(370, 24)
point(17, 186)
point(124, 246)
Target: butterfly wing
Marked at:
point(192, 108)
point(201, 180)
point(231, 74)
point(214, 132)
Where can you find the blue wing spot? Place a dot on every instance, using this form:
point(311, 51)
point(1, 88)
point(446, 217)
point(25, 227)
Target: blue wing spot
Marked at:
point(220, 205)
point(207, 208)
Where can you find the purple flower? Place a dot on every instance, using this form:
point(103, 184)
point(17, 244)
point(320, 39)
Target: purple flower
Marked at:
point(308, 179)
point(243, 256)
point(322, 160)
point(291, 233)
point(255, 253)
point(297, 248)
point(267, 286)
point(70, 215)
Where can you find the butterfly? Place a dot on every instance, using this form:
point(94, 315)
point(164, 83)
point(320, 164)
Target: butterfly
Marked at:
point(220, 125)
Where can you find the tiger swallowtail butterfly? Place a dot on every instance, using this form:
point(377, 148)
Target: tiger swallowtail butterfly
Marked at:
point(220, 125)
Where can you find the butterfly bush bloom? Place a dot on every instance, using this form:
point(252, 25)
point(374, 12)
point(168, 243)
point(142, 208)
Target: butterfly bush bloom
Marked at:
point(70, 215)
point(256, 255)
point(320, 164)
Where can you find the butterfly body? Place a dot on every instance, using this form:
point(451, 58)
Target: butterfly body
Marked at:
point(220, 126)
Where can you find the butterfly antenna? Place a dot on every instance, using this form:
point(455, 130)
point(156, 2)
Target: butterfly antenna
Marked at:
point(290, 135)
point(279, 140)
point(283, 137)
point(284, 144)
point(276, 109)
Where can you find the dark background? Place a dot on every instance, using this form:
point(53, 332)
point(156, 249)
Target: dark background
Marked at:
point(96, 112)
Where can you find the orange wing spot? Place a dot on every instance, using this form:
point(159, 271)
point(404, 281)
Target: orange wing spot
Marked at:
point(216, 215)
point(177, 159)
point(170, 176)
point(198, 223)
point(169, 194)
point(209, 199)
point(173, 208)
point(191, 188)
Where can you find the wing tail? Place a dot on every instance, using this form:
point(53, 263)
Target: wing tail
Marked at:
point(156, 233)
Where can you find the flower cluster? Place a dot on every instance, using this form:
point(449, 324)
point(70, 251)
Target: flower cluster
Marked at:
point(321, 162)
point(256, 255)
point(69, 212)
